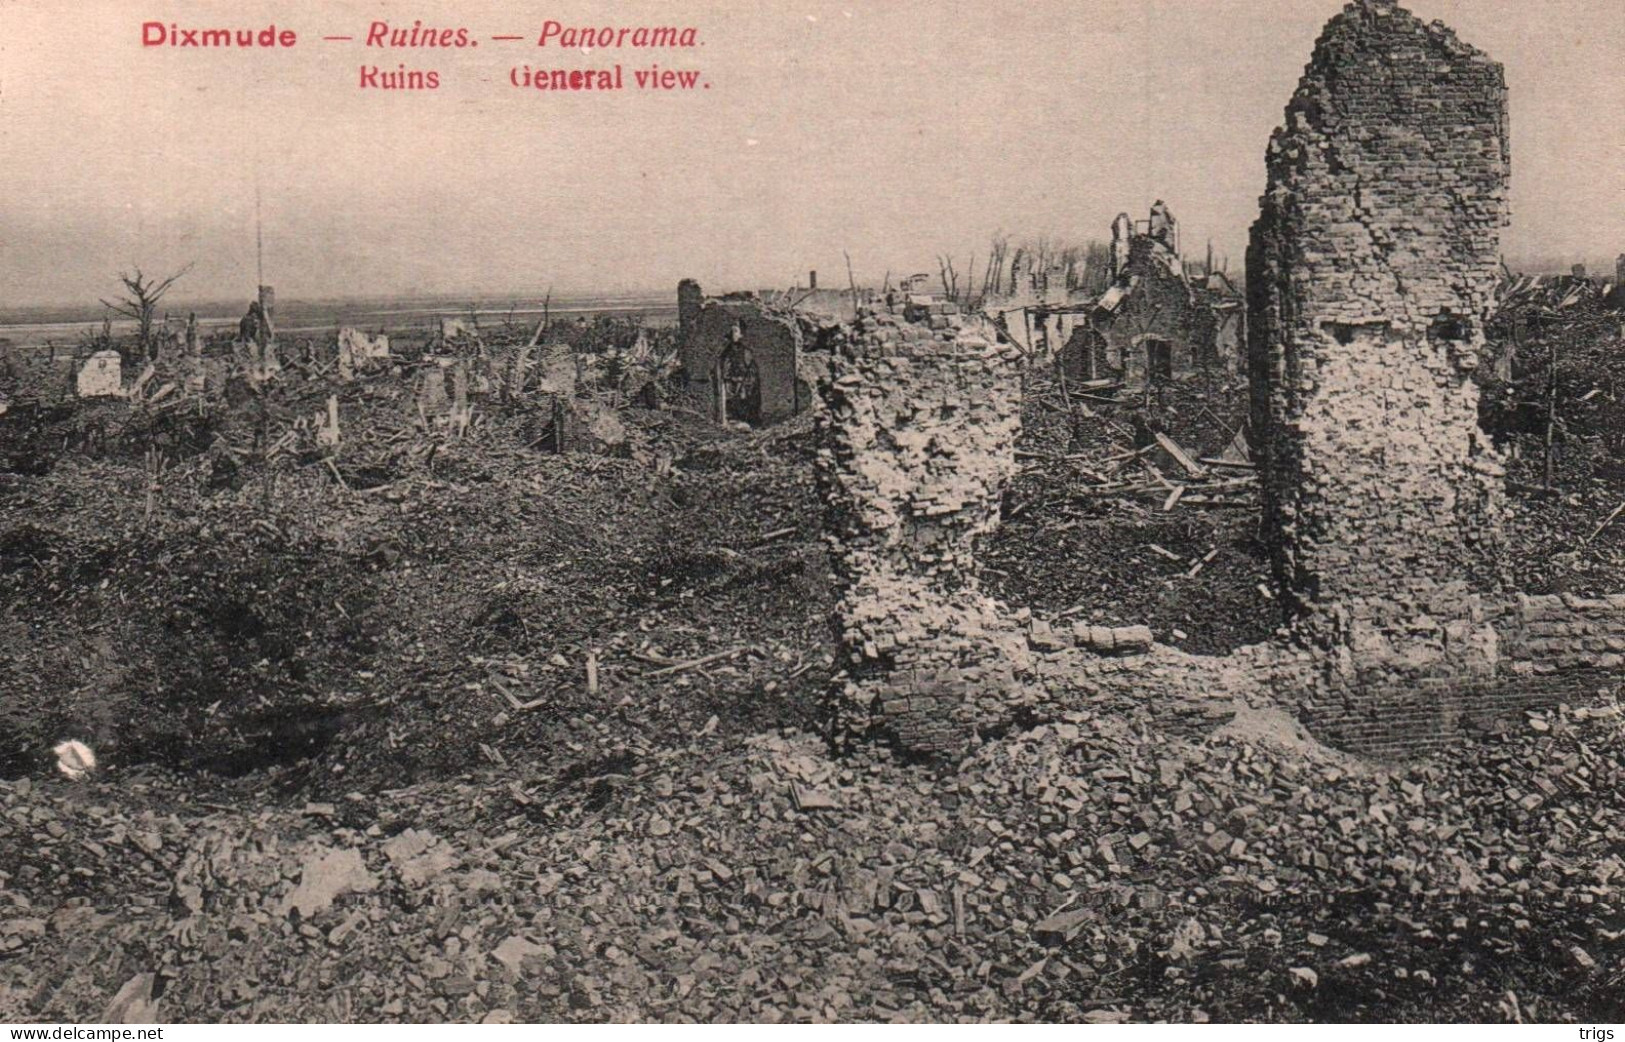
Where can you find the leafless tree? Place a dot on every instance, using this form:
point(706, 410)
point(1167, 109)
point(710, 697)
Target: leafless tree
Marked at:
point(141, 304)
point(950, 277)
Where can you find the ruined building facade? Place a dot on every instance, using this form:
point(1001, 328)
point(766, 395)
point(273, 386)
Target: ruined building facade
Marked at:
point(1155, 322)
point(740, 356)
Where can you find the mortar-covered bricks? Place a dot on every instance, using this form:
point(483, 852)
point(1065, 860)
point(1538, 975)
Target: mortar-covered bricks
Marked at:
point(1372, 271)
point(917, 447)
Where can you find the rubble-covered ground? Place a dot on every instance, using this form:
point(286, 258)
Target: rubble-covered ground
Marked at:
point(461, 729)
point(1090, 535)
point(1563, 536)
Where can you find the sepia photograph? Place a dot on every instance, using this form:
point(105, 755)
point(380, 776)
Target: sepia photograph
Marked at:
point(811, 512)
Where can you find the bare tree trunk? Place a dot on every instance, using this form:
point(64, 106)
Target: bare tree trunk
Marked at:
point(1551, 404)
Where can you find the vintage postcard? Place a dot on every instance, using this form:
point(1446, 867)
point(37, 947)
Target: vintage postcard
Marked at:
point(811, 512)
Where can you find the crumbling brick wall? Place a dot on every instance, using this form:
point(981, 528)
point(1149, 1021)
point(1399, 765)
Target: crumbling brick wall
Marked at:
point(1157, 324)
point(42, 371)
point(771, 338)
point(1551, 649)
point(917, 448)
point(1371, 273)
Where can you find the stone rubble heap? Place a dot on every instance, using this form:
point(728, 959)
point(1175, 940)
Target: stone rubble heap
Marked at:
point(1091, 868)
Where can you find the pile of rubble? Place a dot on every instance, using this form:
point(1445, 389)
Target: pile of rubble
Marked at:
point(1089, 869)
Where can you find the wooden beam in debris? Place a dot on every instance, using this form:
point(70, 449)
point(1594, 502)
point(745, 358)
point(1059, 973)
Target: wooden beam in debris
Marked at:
point(697, 663)
point(1180, 456)
point(1610, 519)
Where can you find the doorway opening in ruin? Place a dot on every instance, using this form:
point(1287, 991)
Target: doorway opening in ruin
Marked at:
point(738, 386)
point(1159, 358)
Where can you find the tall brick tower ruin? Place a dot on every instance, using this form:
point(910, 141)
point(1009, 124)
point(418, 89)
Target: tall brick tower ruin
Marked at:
point(1371, 274)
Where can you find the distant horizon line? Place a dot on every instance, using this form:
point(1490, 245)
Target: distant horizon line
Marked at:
point(409, 296)
point(1521, 265)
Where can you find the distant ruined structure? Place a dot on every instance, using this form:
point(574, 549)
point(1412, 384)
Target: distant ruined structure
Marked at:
point(741, 357)
point(1155, 322)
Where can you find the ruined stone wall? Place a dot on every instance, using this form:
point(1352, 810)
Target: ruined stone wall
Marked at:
point(690, 298)
point(43, 371)
point(1158, 303)
point(774, 343)
point(1229, 331)
point(918, 444)
point(1371, 273)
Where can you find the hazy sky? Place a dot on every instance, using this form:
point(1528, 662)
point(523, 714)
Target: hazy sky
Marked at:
point(896, 130)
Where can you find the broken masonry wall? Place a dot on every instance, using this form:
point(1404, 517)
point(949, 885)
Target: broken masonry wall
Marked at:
point(1229, 334)
point(1371, 273)
point(1158, 308)
point(918, 445)
point(1122, 236)
point(774, 343)
point(1554, 649)
point(1084, 355)
point(690, 298)
point(102, 376)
